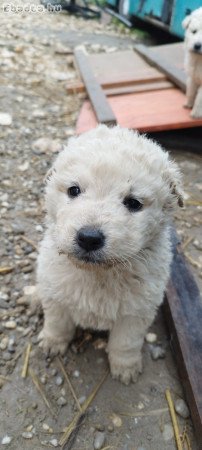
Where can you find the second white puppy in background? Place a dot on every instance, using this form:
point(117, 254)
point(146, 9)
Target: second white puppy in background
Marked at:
point(193, 61)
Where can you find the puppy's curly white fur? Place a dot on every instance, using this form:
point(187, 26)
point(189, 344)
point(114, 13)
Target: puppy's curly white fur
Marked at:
point(104, 260)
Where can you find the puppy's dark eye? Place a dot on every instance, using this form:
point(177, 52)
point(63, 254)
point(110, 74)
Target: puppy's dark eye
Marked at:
point(132, 204)
point(194, 31)
point(73, 191)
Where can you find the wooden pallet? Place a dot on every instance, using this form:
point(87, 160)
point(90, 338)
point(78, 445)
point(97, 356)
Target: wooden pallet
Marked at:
point(118, 72)
point(139, 96)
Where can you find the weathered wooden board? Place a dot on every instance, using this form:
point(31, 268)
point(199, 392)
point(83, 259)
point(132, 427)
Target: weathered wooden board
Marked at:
point(173, 73)
point(183, 314)
point(123, 69)
point(147, 111)
point(78, 86)
point(98, 99)
point(173, 53)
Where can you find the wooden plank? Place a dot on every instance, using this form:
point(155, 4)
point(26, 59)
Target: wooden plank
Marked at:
point(176, 75)
point(183, 314)
point(147, 111)
point(79, 87)
point(173, 53)
point(146, 87)
point(103, 110)
point(123, 68)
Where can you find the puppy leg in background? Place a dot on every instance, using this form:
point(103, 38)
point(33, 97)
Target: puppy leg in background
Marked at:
point(58, 328)
point(197, 109)
point(191, 92)
point(125, 346)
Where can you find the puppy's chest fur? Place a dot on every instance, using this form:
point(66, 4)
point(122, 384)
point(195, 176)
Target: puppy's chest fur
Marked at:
point(96, 300)
point(194, 67)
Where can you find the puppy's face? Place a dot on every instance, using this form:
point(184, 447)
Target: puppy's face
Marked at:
point(193, 31)
point(109, 193)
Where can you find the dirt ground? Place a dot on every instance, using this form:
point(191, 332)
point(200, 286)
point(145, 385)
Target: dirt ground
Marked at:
point(35, 64)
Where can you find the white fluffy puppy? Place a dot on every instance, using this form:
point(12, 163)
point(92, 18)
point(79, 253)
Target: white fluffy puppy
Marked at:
point(193, 61)
point(104, 260)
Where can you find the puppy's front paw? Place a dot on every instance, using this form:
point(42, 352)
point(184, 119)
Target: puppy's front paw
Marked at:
point(196, 114)
point(187, 105)
point(52, 344)
point(125, 373)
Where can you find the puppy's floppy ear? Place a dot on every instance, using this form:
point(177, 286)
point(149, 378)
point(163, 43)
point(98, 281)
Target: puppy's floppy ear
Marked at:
point(49, 175)
point(172, 176)
point(186, 21)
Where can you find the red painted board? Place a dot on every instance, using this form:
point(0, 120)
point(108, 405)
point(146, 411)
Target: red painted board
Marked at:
point(145, 111)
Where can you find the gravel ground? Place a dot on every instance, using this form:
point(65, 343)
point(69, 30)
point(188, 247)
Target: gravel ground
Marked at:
point(36, 118)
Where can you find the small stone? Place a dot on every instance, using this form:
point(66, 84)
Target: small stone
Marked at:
point(63, 392)
point(39, 114)
point(45, 145)
point(43, 379)
point(39, 228)
point(10, 325)
point(33, 255)
point(23, 167)
point(11, 348)
point(29, 290)
point(197, 244)
point(6, 440)
point(76, 374)
point(59, 380)
point(151, 338)
point(18, 228)
point(157, 352)
point(27, 435)
point(116, 420)
point(61, 76)
point(5, 119)
point(54, 442)
point(99, 440)
point(54, 371)
point(100, 427)
point(27, 269)
point(4, 343)
point(34, 406)
point(61, 401)
point(100, 344)
point(47, 428)
point(4, 296)
point(69, 132)
point(110, 428)
point(96, 47)
point(29, 428)
point(140, 405)
point(82, 400)
point(22, 301)
point(181, 408)
point(168, 433)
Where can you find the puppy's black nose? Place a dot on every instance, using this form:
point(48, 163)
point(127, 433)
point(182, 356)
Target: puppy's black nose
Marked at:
point(197, 46)
point(90, 238)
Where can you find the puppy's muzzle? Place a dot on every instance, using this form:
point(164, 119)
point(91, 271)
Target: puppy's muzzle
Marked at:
point(90, 239)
